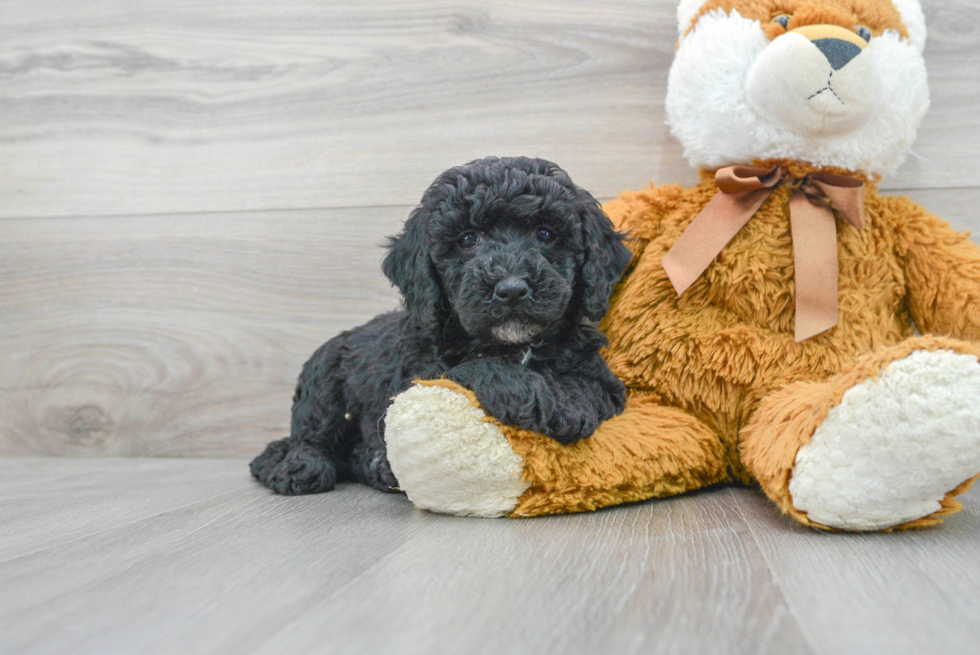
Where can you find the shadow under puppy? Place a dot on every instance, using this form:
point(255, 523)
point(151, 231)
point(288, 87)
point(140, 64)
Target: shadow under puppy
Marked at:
point(499, 266)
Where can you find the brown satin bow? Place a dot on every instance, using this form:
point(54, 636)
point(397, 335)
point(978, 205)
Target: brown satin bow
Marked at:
point(743, 189)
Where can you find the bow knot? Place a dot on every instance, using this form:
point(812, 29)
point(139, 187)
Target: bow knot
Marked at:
point(813, 200)
point(812, 192)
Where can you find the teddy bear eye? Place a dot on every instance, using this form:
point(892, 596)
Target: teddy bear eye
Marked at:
point(544, 235)
point(468, 239)
point(863, 32)
point(782, 19)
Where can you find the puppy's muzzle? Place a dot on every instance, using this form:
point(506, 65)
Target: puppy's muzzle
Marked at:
point(511, 291)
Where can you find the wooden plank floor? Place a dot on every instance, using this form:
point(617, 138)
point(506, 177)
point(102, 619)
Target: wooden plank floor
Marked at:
point(189, 556)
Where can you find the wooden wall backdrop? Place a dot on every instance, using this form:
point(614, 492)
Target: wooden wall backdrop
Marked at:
point(192, 194)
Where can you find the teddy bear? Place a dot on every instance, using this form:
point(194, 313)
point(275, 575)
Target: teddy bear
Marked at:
point(782, 323)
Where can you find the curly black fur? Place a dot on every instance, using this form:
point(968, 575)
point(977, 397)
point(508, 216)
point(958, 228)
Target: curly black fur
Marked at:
point(499, 267)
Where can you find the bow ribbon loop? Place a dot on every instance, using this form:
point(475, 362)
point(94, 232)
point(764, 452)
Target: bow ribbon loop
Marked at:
point(815, 197)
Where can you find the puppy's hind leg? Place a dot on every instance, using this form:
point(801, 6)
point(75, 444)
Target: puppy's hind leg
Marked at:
point(307, 461)
point(302, 469)
point(274, 453)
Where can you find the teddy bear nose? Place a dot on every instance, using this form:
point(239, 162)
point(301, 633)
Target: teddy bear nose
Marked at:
point(837, 51)
point(511, 290)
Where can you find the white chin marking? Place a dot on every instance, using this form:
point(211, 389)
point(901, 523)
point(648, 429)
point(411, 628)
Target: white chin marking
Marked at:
point(895, 446)
point(515, 332)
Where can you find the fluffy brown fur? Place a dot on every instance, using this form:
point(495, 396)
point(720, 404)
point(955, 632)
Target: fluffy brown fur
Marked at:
point(873, 14)
point(719, 389)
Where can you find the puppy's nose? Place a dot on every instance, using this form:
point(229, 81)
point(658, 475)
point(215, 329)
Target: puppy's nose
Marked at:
point(511, 290)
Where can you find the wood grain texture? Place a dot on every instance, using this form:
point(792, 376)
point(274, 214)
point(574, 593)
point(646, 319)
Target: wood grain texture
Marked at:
point(907, 592)
point(149, 107)
point(189, 577)
point(153, 107)
point(184, 334)
point(357, 571)
point(238, 570)
point(630, 580)
point(173, 335)
point(72, 499)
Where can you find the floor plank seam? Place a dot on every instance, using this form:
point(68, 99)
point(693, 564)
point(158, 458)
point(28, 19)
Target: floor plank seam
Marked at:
point(315, 605)
point(14, 486)
point(808, 638)
point(903, 190)
point(258, 501)
point(207, 212)
point(124, 524)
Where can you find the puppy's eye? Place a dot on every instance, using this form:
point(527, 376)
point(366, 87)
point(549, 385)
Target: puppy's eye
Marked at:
point(863, 32)
point(468, 239)
point(544, 235)
point(782, 19)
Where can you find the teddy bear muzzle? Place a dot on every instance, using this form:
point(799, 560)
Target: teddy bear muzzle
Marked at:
point(817, 80)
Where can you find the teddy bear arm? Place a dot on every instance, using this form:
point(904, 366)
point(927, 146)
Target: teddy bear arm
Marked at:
point(942, 273)
point(451, 457)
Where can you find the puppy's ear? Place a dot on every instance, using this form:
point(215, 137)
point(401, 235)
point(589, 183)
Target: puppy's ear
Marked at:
point(606, 257)
point(410, 268)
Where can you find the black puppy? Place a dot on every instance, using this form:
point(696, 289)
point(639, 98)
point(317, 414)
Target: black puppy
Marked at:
point(499, 266)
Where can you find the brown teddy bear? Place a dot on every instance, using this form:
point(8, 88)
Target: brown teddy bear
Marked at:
point(781, 322)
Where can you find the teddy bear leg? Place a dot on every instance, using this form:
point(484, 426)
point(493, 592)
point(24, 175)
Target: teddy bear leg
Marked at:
point(450, 457)
point(884, 445)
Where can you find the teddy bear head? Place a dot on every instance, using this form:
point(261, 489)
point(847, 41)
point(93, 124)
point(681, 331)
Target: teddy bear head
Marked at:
point(829, 82)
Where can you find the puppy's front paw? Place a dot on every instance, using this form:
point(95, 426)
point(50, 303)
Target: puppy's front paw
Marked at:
point(301, 471)
point(449, 456)
point(569, 426)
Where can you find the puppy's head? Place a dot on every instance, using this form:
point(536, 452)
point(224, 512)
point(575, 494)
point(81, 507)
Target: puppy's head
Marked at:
point(509, 247)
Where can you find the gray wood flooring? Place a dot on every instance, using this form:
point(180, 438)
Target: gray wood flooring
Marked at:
point(189, 556)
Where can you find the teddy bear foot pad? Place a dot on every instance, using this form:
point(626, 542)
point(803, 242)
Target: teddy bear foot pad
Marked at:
point(476, 473)
point(895, 446)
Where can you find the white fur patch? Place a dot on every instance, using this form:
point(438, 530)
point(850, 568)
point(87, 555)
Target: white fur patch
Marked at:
point(895, 446)
point(915, 21)
point(793, 84)
point(710, 114)
point(447, 458)
point(515, 332)
point(686, 11)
